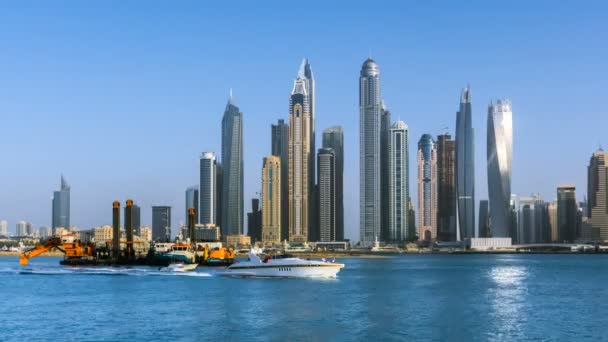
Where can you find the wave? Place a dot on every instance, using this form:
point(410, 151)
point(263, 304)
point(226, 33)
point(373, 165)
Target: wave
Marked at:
point(98, 271)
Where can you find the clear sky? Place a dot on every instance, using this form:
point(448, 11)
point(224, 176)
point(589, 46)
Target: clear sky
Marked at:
point(123, 96)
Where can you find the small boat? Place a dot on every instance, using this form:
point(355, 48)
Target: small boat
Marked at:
point(283, 267)
point(179, 267)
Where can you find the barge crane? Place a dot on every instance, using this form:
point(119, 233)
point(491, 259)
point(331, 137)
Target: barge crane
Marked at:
point(71, 249)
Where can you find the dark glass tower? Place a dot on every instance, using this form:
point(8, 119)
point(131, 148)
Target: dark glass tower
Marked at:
point(446, 188)
point(192, 201)
point(61, 206)
point(232, 163)
point(333, 138)
point(280, 148)
point(465, 167)
point(567, 212)
point(161, 223)
point(254, 221)
point(385, 126)
point(327, 195)
point(484, 219)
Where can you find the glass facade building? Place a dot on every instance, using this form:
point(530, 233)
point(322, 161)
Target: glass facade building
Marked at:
point(232, 163)
point(61, 206)
point(398, 182)
point(427, 188)
point(370, 110)
point(465, 168)
point(499, 156)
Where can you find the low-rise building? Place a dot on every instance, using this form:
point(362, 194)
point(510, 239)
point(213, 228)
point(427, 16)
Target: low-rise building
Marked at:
point(238, 241)
point(145, 233)
point(103, 234)
point(483, 244)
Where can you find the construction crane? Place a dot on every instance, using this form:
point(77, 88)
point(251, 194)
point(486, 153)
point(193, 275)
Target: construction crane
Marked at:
point(71, 249)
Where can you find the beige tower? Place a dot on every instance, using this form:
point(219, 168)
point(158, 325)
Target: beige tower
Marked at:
point(299, 159)
point(271, 200)
point(553, 220)
point(427, 188)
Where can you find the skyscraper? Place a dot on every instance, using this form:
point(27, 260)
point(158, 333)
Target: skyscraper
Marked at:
point(465, 168)
point(192, 201)
point(271, 200)
point(61, 206)
point(484, 219)
point(333, 138)
point(552, 211)
point(161, 223)
point(597, 190)
point(533, 217)
point(385, 127)
point(254, 221)
point(3, 228)
point(300, 187)
point(446, 188)
point(305, 74)
point(280, 148)
point(21, 228)
point(427, 188)
point(398, 182)
point(500, 145)
point(370, 110)
point(327, 194)
point(207, 189)
point(566, 213)
point(232, 163)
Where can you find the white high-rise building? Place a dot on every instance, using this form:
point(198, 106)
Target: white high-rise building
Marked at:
point(207, 189)
point(370, 108)
point(398, 182)
point(3, 228)
point(21, 228)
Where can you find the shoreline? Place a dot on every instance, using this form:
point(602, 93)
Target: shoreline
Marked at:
point(367, 255)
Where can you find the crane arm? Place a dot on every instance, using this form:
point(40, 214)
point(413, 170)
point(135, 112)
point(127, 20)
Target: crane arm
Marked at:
point(39, 249)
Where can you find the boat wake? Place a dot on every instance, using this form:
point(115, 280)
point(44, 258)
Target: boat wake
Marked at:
point(101, 271)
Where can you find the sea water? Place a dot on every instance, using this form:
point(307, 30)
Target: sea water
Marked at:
point(404, 298)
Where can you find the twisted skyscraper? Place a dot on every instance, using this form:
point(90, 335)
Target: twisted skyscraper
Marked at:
point(465, 168)
point(370, 108)
point(500, 145)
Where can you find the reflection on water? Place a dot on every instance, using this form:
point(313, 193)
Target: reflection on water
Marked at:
point(507, 297)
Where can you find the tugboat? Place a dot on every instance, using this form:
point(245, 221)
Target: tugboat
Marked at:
point(180, 252)
point(285, 266)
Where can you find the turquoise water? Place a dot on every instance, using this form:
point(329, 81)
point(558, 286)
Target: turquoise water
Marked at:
point(413, 298)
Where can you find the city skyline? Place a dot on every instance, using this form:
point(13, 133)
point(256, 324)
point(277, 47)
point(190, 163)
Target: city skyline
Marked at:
point(534, 108)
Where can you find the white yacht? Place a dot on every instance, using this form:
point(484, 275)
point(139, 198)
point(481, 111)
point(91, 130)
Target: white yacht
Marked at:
point(283, 266)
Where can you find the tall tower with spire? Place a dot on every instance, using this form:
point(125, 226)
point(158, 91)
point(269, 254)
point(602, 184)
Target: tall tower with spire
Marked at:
point(306, 76)
point(465, 168)
point(232, 166)
point(300, 186)
point(370, 110)
point(61, 206)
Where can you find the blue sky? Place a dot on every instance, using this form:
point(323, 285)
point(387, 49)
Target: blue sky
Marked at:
point(123, 96)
